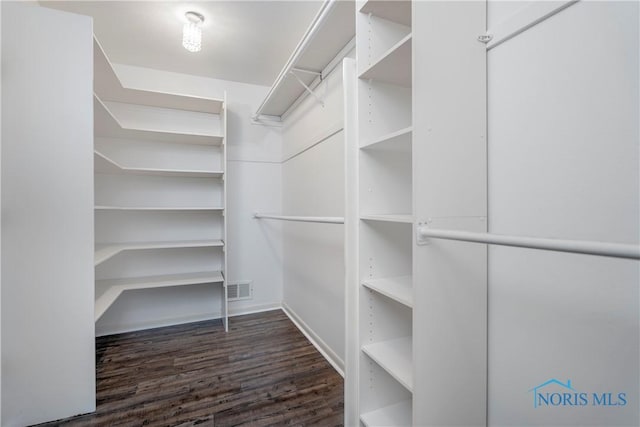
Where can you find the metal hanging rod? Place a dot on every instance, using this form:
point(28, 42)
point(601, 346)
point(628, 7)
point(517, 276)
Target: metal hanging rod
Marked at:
point(320, 219)
point(615, 250)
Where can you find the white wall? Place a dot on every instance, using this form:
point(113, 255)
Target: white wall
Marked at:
point(313, 184)
point(563, 162)
point(254, 184)
point(47, 215)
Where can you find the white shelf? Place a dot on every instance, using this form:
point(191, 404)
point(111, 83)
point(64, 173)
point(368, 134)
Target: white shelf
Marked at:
point(396, 415)
point(106, 251)
point(399, 140)
point(109, 88)
point(158, 208)
point(319, 50)
point(384, 164)
point(402, 218)
point(107, 291)
point(104, 164)
point(107, 125)
point(397, 288)
point(393, 66)
point(394, 356)
point(397, 11)
point(127, 113)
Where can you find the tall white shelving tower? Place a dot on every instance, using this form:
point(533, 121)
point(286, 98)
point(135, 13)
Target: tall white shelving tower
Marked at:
point(383, 43)
point(416, 157)
point(160, 189)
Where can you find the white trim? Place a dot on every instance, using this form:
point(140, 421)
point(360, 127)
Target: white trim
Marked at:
point(351, 239)
point(313, 338)
point(172, 321)
point(529, 16)
point(331, 130)
point(318, 343)
point(158, 323)
point(259, 308)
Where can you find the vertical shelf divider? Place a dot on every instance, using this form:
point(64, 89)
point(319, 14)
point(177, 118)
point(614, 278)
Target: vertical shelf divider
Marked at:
point(225, 284)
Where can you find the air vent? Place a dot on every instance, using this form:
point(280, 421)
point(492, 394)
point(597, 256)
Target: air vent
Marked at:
point(239, 291)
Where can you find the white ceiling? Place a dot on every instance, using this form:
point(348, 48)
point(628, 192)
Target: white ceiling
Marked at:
point(245, 41)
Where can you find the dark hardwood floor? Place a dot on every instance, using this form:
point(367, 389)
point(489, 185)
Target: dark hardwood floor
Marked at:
point(262, 372)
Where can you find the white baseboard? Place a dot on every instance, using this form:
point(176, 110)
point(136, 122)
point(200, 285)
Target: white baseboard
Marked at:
point(160, 323)
point(318, 343)
point(156, 323)
point(259, 308)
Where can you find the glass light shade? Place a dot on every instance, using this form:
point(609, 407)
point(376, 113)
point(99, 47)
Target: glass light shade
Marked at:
point(192, 37)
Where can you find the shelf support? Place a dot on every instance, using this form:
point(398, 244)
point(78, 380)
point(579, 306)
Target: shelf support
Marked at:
point(302, 70)
point(307, 88)
point(320, 19)
point(266, 120)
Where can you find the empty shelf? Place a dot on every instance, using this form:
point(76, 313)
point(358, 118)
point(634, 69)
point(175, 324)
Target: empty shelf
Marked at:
point(394, 66)
point(107, 291)
point(396, 11)
point(403, 218)
point(104, 164)
point(395, 141)
point(109, 87)
point(330, 32)
point(397, 288)
point(394, 356)
point(396, 415)
point(158, 208)
point(106, 125)
point(106, 251)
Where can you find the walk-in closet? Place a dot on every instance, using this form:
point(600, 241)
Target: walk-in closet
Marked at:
point(320, 213)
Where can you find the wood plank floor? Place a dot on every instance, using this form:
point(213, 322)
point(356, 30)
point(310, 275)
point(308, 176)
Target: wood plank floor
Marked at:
point(262, 372)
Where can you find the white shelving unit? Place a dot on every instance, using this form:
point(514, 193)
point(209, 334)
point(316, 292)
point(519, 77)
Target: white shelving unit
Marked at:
point(385, 218)
point(398, 414)
point(392, 10)
point(408, 219)
point(107, 291)
point(107, 125)
point(160, 165)
point(108, 87)
point(394, 356)
point(407, 299)
point(399, 140)
point(158, 208)
point(106, 251)
point(397, 288)
point(104, 164)
point(394, 66)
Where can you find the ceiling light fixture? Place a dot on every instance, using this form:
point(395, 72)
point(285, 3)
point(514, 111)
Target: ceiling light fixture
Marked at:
point(192, 32)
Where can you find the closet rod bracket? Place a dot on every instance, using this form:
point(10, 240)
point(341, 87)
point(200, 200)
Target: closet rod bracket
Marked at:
point(307, 88)
point(421, 238)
